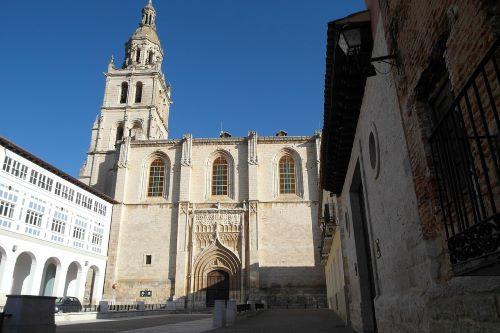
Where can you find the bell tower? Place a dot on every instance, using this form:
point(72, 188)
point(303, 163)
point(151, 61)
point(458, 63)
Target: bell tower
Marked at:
point(136, 104)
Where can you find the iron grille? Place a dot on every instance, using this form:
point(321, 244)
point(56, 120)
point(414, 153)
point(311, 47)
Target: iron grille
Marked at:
point(465, 150)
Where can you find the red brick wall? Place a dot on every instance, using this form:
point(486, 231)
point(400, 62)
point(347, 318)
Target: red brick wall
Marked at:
point(413, 29)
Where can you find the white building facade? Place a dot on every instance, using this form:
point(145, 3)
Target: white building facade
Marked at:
point(54, 230)
point(200, 219)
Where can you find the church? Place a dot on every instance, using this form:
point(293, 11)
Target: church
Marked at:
point(200, 219)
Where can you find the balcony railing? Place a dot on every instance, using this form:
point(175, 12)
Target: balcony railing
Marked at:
point(328, 226)
point(465, 149)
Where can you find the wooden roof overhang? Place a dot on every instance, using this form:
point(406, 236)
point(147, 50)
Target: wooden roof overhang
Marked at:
point(344, 89)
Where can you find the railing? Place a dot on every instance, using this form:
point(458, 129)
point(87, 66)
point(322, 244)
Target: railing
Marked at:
point(328, 225)
point(90, 308)
point(465, 150)
point(135, 307)
point(243, 307)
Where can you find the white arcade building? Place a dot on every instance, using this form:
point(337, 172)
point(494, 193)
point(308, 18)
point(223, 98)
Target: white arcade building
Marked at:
point(54, 230)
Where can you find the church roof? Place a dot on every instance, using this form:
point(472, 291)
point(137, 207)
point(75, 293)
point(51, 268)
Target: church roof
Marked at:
point(146, 32)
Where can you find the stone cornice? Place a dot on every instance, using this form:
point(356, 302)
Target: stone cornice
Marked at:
point(155, 143)
point(284, 139)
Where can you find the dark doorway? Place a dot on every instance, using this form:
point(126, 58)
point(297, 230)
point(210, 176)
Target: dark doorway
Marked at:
point(217, 286)
point(363, 253)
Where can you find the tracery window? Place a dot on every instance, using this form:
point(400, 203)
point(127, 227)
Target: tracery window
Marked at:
point(156, 178)
point(220, 176)
point(287, 175)
point(124, 93)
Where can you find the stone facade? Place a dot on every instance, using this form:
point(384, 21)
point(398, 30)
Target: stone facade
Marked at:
point(390, 193)
point(263, 239)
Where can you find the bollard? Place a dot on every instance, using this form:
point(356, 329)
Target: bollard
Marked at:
point(231, 312)
point(171, 305)
point(103, 307)
point(219, 314)
point(29, 314)
point(252, 305)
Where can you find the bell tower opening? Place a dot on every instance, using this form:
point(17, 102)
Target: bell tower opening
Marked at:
point(135, 93)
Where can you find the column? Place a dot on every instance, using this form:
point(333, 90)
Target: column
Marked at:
point(80, 282)
point(252, 236)
point(8, 274)
point(37, 277)
point(181, 263)
point(60, 280)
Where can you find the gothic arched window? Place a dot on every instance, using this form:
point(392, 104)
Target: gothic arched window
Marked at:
point(287, 175)
point(220, 176)
point(156, 178)
point(138, 92)
point(124, 93)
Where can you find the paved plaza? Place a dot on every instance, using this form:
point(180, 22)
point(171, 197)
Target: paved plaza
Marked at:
point(289, 321)
point(273, 320)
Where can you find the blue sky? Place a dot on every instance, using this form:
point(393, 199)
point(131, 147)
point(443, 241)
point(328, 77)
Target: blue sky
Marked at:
point(252, 65)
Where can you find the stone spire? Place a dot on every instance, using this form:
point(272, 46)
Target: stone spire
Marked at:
point(143, 49)
point(149, 15)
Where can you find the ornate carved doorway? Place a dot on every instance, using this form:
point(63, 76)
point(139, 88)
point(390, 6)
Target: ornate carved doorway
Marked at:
point(217, 286)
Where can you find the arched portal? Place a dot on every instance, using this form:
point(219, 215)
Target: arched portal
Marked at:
point(216, 273)
point(48, 278)
point(90, 286)
point(217, 286)
point(23, 274)
point(71, 285)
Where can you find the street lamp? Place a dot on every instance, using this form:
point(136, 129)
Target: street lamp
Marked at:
point(350, 42)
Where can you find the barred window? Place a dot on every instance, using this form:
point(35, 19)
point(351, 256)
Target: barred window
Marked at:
point(220, 176)
point(58, 226)
point(6, 209)
point(156, 178)
point(33, 218)
point(287, 175)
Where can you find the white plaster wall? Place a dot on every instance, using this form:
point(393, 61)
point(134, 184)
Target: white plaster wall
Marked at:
point(392, 214)
point(17, 237)
point(41, 252)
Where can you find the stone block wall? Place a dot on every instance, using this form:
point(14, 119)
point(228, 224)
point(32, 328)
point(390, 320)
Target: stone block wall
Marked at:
point(281, 247)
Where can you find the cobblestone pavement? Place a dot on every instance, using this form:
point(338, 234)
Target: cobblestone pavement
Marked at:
point(171, 323)
point(288, 321)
